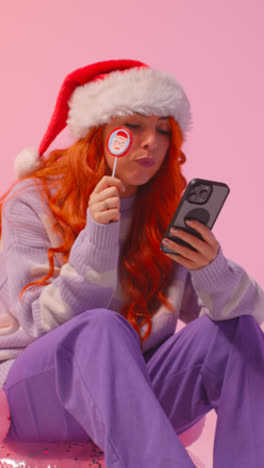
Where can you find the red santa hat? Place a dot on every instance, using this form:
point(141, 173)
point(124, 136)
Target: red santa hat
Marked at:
point(92, 95)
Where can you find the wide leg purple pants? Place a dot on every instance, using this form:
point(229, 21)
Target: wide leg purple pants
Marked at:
point(89, 379)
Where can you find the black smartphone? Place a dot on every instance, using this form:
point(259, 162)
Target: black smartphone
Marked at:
point(202, 200)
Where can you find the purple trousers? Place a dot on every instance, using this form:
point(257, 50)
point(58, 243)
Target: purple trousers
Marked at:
point(88, 379)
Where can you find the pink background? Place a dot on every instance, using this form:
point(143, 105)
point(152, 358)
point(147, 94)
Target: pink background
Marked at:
point(214, 48)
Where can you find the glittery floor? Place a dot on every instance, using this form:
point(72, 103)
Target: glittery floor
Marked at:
point(57, 455)
point(51, 455)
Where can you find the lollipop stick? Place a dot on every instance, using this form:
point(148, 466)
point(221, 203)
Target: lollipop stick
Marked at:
point(114, 168)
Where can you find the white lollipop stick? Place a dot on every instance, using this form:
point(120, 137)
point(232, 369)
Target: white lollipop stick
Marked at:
point(114, 168)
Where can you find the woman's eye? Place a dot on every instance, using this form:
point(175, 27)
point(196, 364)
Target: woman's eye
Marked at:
point(132, 125)
point(165, 132)
point(137, 126)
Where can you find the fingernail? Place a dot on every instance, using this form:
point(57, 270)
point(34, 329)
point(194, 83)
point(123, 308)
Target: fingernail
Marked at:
point(123, 188)
point(189, 221)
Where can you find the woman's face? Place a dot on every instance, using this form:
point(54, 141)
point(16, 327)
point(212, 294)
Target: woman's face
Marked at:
point(151, 139)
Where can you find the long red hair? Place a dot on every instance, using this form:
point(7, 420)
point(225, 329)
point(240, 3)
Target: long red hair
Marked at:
point(69, 176)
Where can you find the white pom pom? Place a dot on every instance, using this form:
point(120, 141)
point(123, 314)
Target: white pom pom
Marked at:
point(26, 162)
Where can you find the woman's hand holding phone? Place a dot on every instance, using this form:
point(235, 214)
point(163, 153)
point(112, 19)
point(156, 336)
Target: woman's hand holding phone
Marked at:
point(194, 244)
point(206, 249)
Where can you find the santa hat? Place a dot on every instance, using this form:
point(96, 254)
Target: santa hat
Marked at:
point(92, 95)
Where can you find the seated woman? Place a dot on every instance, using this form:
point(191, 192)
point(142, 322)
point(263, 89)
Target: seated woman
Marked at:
point(89, 302)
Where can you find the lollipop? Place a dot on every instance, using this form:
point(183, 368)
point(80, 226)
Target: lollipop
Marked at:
point(118, 143)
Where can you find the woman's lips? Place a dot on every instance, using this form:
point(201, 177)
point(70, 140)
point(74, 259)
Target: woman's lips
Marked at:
point(146, 162)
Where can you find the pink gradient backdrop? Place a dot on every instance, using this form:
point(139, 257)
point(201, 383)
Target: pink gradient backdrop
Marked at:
point(215, 48)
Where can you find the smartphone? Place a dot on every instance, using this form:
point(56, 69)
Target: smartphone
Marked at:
point(201, 201)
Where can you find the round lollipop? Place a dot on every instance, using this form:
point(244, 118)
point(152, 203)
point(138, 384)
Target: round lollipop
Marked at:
point(118, 143)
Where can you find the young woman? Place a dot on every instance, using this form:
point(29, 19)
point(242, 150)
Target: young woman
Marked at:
point(89, 302)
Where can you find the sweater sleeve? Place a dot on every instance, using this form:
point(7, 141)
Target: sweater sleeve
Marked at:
point(87, 281)
point(224, 290)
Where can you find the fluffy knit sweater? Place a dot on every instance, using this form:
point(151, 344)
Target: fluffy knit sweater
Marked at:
point(90, 279)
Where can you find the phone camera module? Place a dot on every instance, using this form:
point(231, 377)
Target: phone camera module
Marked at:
point(203, 195)
point(199, 194)
point(193, 197)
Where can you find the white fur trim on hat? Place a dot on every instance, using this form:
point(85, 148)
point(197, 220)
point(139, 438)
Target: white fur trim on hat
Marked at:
point(144, 90)
point(26, 162)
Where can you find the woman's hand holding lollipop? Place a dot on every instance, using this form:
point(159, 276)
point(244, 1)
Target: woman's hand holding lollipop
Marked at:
point(104, 202)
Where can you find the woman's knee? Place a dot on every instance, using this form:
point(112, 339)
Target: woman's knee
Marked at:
point(250, 338)
point(213, 340)
point(94, 324)
point(244, 326)
point(241, 334)
point(240, 324)
point(99, 315)
point(103, 318)
point(90, 318)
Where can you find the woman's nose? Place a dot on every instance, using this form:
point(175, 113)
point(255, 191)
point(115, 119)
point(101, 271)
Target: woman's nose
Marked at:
point(149, 139)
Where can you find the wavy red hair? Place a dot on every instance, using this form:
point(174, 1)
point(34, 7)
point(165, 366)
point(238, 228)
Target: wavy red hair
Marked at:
point(67, 179)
